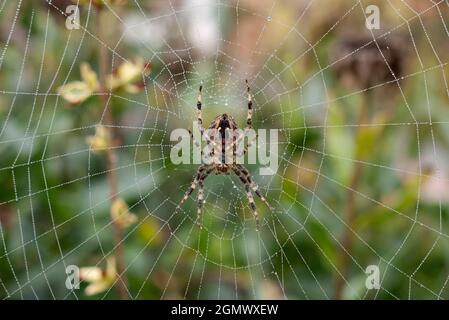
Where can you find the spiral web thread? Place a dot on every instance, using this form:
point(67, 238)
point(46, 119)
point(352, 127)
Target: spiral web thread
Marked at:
point(229, 252)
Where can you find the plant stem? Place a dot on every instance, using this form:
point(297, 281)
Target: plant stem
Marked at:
point(351, 213)
point(111, 162)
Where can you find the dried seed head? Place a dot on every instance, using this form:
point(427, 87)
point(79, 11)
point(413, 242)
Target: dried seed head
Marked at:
point(363, 62)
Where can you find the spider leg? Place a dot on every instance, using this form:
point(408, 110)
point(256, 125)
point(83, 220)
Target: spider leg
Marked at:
point(199, 113)
point(210, 143)
point(249, 195)
point(199, 174)
point(253, 185)
point(238, 152)
point(213, 146)
point(201, 194)
point(210, 140)
point(249, 120)
point(197, 144)
point(200, 201)
point(248, 144)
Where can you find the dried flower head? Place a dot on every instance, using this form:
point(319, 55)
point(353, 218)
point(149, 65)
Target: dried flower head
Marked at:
point(363, 62)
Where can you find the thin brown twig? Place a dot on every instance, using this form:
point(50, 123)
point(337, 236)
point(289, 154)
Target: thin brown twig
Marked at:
point(111, 163)
point(351, 212)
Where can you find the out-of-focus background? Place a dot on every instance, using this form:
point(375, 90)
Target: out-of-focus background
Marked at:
point(363, 174)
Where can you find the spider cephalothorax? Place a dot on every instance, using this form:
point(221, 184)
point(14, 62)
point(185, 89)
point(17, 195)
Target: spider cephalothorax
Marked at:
point(222, 149)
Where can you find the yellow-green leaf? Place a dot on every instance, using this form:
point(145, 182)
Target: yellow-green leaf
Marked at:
point(127, 74)
point(75, 92)
point(100, 141)
point(98, 279)
point(88, 76)
point(120, 213)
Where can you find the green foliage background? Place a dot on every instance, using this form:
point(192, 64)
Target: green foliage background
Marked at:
point(54, 209)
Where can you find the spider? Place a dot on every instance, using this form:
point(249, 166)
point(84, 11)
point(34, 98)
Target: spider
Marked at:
point(222, 123)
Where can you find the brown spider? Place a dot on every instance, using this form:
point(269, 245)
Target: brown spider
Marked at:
point(222, 123)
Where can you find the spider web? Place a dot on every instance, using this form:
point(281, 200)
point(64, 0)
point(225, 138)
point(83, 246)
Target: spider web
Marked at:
point(55, 204)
